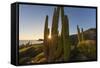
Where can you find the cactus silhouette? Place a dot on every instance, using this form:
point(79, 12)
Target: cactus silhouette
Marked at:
point(79, 34)
point(51, 52)
point(54, 34)
point(82, 34)
point(59, 50)
point(59, 46)
point(46, 33)
point(65, 35)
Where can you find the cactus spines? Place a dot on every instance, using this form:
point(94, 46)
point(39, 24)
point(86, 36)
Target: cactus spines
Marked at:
point(65, 35)
point(46, 33)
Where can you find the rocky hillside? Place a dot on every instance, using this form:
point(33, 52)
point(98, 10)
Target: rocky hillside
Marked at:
point(89, 34)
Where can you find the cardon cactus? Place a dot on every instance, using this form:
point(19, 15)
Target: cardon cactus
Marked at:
point(82, 34)
point(79, 34)
point(54, 34)
point(58, 48)
point(46, 33)
point(65, 35)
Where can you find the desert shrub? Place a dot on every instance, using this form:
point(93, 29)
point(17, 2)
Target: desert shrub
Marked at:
point(88, 49)
point(39, 58)
point(27, 53)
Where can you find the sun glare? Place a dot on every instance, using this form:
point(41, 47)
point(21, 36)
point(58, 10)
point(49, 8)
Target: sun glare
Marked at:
point(49, 36)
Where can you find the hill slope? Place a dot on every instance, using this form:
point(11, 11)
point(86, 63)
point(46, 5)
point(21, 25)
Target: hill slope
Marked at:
point(89, 34)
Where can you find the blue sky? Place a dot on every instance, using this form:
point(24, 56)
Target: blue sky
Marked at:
point(32, 20)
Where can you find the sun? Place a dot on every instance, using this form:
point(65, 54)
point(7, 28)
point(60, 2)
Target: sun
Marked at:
point(49, 37)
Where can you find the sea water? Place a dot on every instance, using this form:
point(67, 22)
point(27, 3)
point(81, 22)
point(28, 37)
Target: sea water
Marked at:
point(31, 42)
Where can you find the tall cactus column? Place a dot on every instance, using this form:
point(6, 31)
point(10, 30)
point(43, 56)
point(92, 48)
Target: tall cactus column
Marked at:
point(46, 34)
point(79, 34)
point(65, 35)
point(54, 35)
point(59, 46)
point(51, 52)
point(82, 34)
